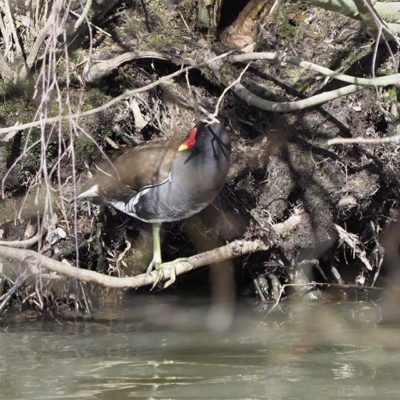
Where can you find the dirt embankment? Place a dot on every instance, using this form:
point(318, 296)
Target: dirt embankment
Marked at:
point(321, 209)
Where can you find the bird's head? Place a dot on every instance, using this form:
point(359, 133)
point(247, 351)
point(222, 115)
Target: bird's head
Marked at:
point(200, 136)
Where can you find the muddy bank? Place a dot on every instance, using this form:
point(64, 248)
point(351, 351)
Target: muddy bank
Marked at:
point(321, 211)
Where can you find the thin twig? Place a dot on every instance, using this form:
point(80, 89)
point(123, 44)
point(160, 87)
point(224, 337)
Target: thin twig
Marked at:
point(229, 87)
point(126, 94)
point(17, 284)
point(91, 24)
point(38, 42)
point(82, 17)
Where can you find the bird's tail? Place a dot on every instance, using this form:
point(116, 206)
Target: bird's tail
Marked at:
point(93, 191)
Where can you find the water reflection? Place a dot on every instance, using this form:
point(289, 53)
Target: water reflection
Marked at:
point(159, 350)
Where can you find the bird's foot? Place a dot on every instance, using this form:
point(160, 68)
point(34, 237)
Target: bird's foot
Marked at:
point(161, 268)
point(152, 266)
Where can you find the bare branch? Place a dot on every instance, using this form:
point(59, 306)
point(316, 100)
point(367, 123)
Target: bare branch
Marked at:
point(387, 11)
point(288, 226)
point(275, 56)
point(373, 20)
point(360, 140)
point(229, 251)
point(126, 94)
point(253, 100)
point(22, 244)
point(239, 89)
point(102, 68)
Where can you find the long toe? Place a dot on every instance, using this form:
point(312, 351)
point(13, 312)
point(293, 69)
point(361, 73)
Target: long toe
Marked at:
point(161, 268)
point(159, 278)
point(172, 270)
point(150, 267)
point(172, 278)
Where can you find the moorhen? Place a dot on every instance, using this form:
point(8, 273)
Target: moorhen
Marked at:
point(158, 183)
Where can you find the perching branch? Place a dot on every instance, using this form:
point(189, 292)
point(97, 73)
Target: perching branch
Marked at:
point(232, 250)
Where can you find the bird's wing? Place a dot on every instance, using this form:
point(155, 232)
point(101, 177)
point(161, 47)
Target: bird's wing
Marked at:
point(137, 168)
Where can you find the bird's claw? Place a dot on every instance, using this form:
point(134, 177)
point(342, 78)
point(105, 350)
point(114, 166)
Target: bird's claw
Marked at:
point(172, 278)
point(159, 277)
point(160, 268)
point(151, 266)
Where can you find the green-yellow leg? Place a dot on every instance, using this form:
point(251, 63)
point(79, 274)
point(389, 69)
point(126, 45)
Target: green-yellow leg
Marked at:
point(156, 262)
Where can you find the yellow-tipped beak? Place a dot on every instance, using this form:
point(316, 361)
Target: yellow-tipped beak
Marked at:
point(183, 147)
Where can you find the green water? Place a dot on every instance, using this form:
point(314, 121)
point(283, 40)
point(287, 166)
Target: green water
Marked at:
point(166, 349)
